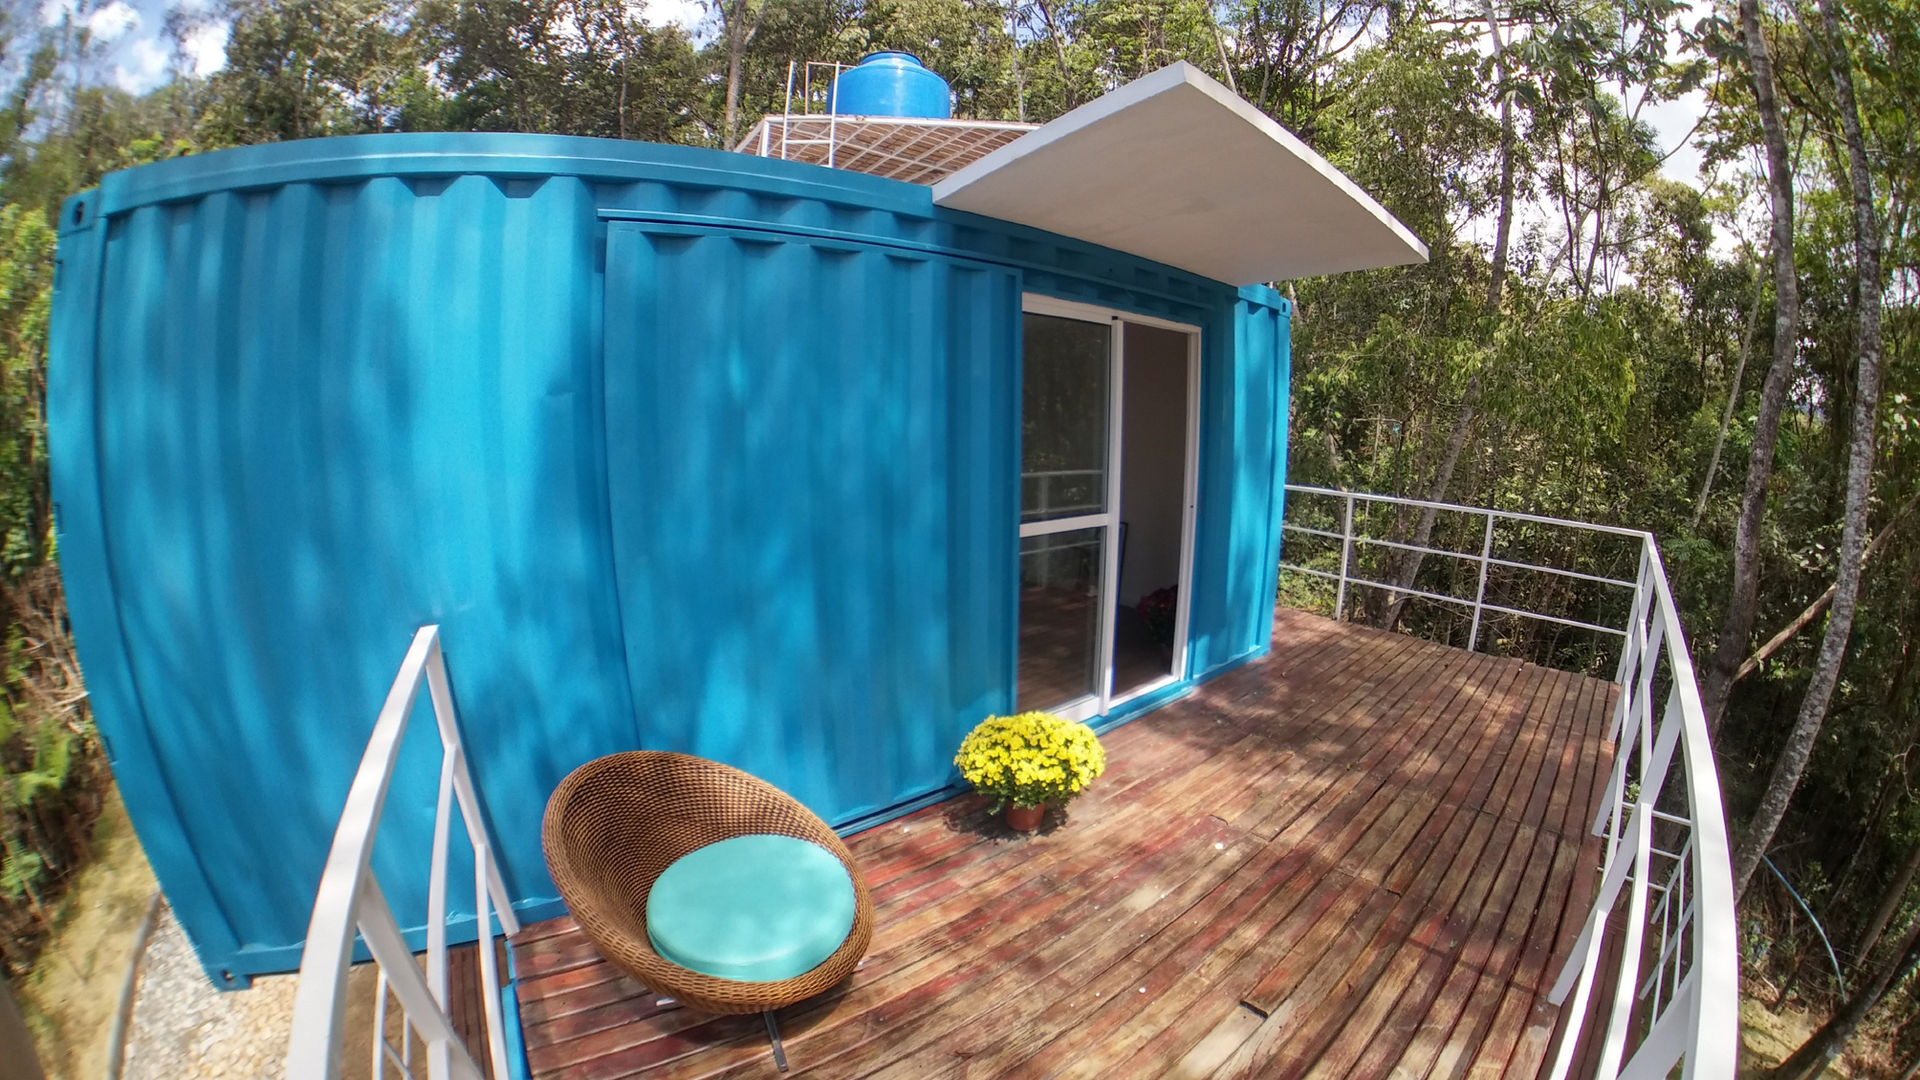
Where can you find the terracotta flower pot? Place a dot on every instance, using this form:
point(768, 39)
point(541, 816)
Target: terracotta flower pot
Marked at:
point(1024, 818)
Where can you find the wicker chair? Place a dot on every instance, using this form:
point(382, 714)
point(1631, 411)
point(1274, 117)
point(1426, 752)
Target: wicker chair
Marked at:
point(616, 823)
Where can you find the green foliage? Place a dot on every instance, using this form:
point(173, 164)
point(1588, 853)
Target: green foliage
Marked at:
point(26, 296)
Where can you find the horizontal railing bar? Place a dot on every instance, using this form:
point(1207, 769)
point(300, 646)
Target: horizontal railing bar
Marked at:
point(1583, 576)
point(1351, 580)
point(1073, 523)
point(1509, 515)
point(1466, 556)
point(382, 934)
point(1556, 619)
point(1669, 949)
point(1403, 546)
point(394, 1056)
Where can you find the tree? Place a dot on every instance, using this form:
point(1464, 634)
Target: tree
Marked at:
point(303, 68)
point(1826, 1043)
point(564, 67)
point(1737, 625)
point(26, 296)
point(1792, 760)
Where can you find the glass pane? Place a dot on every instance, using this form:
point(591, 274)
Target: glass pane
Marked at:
point(1059, 617)
point(1064, 423)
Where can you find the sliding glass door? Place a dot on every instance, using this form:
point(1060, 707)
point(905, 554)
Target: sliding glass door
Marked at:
point(1066, 442)
point(1106, 501)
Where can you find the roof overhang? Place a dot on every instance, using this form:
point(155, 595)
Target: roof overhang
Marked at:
point(1176, 168)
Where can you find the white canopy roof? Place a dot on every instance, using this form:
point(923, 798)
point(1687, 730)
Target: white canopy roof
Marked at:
point(1176, 168)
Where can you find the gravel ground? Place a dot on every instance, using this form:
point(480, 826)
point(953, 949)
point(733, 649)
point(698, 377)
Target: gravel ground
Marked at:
point(184, 1028)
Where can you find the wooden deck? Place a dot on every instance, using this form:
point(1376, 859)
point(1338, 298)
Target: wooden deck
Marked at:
point(1363, 856)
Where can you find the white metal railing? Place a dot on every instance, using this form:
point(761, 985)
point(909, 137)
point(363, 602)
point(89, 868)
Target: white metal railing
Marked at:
point(1685, 1007)
point(1484, 559)
point(349, 900)
point(807, 101)
point(1674, 997)
point(1040, 486)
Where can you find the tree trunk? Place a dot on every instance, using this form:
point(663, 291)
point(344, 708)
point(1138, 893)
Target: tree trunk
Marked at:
point(1889, 906)
point(1019, 78)
point(1733, 396)
point(1503, 223)
point(1738, 624)
point(1813, 610)
point(1833, 646)
point(1059, 50)
point(735, 14)
point(1408, 565)
point(1825, 1045)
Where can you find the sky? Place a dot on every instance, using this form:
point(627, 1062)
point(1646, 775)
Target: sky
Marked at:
point(137, 57)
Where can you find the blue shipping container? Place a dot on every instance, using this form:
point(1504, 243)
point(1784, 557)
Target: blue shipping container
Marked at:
point(683, 449)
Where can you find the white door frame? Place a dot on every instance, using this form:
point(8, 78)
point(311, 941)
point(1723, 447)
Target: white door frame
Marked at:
point(1102, 700)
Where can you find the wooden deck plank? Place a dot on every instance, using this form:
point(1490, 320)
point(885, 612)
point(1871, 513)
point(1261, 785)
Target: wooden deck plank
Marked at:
point(1400, 999)
point(1029, 949)
point(1308, 1016)
point(1220, 1006)
point(1483, 965)
point(1360, 856)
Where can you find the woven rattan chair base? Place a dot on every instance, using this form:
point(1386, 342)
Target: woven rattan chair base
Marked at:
point(614, 824)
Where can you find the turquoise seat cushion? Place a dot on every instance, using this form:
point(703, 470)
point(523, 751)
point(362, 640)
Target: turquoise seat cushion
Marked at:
point(756, 908)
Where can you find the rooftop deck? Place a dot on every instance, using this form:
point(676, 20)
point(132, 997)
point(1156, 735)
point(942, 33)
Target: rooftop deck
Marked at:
point(1362, 856)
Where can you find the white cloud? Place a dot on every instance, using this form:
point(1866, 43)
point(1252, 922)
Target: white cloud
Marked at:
point(207, 48)
point(140, 67)
point(685, 14)
point(112, 22)
point(1674, 122)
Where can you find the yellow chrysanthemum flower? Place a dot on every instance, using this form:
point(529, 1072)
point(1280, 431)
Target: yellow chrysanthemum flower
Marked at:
point(1031, 759)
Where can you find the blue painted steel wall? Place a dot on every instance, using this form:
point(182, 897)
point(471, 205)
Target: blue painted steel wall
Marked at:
point(806, 446)
point(683, 449)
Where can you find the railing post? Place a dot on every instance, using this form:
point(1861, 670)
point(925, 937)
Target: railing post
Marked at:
point(786, 118)
point(1346, 556)
point(1480, 591)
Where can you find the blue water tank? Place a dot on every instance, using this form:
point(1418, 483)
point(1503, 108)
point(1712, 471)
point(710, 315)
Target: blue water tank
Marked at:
point(891, 84)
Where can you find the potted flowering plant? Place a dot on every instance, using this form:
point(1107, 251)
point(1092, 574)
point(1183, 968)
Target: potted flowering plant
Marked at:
point(1158, 610)
point(1028, 761)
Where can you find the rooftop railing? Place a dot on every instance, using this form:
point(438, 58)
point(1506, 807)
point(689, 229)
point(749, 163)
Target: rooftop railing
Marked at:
point(350, 906)
point(1668, 992)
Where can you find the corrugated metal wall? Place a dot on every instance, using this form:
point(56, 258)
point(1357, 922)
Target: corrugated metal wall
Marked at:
point(308, 397)
point(806, 445)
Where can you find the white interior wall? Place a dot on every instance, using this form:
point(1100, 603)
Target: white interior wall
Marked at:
point(1153, 444)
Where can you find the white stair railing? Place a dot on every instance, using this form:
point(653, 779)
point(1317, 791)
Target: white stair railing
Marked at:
point(349, 904)
point(1675, 986)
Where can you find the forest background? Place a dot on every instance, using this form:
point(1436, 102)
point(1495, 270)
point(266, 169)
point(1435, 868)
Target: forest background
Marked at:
point(1729, 363)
